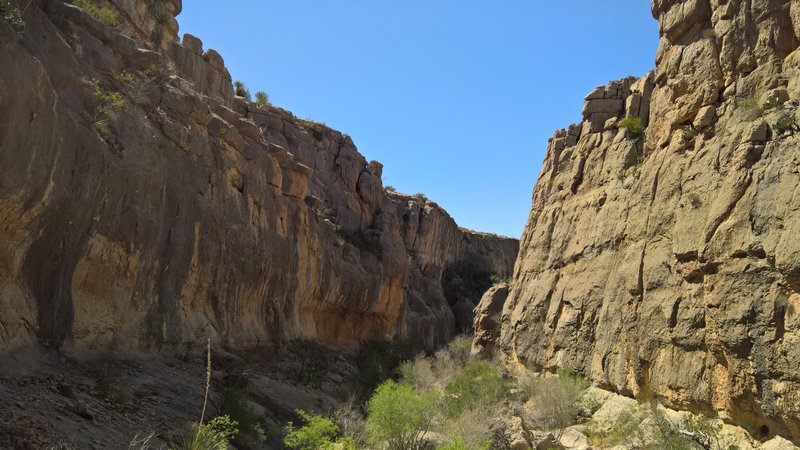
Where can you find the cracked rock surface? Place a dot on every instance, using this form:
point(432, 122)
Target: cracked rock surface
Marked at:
point(668, 265)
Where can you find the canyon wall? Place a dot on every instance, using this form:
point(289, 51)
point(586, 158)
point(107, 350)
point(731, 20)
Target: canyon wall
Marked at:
point(667, 265)
point(145, 206)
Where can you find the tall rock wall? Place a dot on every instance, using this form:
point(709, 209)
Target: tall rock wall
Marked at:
point(183, 211)
point(668, 266)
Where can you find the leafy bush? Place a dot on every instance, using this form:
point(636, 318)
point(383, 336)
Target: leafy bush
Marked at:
point(478, 386)
point(262, 99)
point(240, 90)
point(13, 15)
point(390, 188)
point(215, 435)
point(224, 427)
point(106, 104)
point(319, 433)
point(399, 416)
point(105, 14)
point(633, 127)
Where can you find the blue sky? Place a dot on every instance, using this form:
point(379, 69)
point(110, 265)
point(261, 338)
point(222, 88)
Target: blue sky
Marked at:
point(457, 98)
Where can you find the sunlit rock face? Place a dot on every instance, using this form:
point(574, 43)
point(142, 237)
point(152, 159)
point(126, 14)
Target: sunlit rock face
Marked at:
point(668, 265)
point(186, 212)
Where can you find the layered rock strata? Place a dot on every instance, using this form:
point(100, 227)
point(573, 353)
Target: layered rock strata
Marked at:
point(144, 206)
point(667, 265)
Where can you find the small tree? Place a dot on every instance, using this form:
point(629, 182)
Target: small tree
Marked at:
point(262, 99)
point(399, 416)
point(319, 433)
point(633, 127)
point(478, 386)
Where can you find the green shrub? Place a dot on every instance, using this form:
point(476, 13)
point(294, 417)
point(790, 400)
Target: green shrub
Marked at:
point(390, 188)
point(398, 416)
point(785, 123)
point(262, 99)
point(421, 197)
point(633, 127)
point(236, 406)
point(477, 386)
point(240, 90)
point(317, 129)
point(224, 427)
point(319, 433)
point(106, 104)
point(13, 15)
point(751, 107)
point(105, 14)
point(215, 435)
point(162, 17)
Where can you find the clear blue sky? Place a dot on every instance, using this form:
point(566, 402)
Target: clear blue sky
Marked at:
point(456, 98)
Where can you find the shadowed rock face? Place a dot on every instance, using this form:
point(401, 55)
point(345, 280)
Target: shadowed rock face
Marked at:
point(669, 266)
point(188, 212)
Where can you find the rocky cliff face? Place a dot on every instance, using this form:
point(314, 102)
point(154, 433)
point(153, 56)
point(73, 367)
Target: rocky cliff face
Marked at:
point(144, 206)
point(668, 265)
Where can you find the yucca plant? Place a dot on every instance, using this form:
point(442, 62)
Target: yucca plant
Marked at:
point(262, 99)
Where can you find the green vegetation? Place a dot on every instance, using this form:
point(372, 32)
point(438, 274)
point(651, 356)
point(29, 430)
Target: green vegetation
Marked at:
point(216, 435)
point(240, 90)
point(633, 127)
point(498, 279)
point(751, 107)
point(140, 84)
point(262, 99)
point(785, 124)
point(317, 129)
point(107, 103)
point(647, 426)
point(319, 433)
point(390, 188)
point(478, 385)
point(695, 201)
point(162, 17)
point(13, 15)
point(105, 14)
point(236, 406)
point(400, 416)
point(421, 197)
